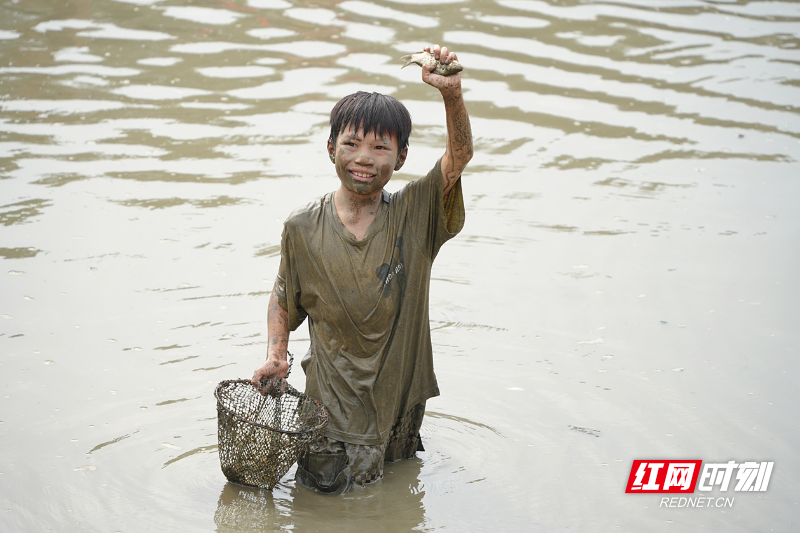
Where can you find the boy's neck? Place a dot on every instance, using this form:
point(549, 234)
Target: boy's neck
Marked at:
point(356, 211)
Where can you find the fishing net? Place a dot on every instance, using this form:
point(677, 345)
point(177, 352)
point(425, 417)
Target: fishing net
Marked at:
point(262, 436)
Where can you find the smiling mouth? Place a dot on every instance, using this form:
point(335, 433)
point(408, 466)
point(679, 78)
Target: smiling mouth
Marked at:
point(361, 176)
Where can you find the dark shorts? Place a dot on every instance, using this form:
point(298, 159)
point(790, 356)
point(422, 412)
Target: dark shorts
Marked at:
point(333, 466)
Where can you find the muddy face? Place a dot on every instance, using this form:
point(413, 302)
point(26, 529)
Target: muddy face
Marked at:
point(365, 162)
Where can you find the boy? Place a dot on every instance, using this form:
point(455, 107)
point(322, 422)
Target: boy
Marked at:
point(357, 263)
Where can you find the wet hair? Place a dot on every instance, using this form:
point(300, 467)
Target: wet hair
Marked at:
point(371, 113)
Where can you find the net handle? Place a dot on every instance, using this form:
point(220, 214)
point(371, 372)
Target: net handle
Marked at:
point(291, 361)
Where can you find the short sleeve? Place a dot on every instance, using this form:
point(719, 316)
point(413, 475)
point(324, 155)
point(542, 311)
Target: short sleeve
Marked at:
point(434, 218)
point(287, 283)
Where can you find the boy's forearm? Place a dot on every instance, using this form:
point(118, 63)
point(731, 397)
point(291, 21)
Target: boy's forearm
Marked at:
point(277, 329)
point(276, 364)
point(458, 151)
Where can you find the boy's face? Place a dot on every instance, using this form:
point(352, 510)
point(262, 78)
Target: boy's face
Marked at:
point(365, 163)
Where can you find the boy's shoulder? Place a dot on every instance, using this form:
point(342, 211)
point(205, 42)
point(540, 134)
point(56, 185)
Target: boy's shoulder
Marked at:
point(308, 214)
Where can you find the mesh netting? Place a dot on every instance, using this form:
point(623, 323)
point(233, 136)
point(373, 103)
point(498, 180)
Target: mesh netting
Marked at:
point(262, 436)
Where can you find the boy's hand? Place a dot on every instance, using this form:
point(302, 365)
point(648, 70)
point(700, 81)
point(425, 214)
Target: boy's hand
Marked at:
point(445, 84)
point(272, 368)
point(275, 387)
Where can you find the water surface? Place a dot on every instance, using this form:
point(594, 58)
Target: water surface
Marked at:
point(624, 288)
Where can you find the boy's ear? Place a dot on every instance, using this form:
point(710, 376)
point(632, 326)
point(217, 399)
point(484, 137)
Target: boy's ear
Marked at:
point(401, 158)
point(331, 150)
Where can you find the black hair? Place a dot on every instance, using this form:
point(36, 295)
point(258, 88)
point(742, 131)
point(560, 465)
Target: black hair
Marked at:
point(372, 113)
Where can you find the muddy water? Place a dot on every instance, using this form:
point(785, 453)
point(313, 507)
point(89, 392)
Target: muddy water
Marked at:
point(625, 286)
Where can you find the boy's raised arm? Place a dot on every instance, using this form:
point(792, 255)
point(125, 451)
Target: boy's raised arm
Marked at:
point(458, 150)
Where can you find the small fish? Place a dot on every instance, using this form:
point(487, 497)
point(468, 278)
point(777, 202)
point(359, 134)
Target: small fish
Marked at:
point(425, 58)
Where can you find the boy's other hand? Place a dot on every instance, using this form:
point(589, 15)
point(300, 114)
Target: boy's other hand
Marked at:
point(445, 84)
point(272, 368)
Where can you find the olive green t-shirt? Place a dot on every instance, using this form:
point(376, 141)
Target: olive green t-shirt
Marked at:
point(370, 358)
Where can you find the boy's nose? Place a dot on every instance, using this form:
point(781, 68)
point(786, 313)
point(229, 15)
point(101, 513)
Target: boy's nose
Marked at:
point(364, 159)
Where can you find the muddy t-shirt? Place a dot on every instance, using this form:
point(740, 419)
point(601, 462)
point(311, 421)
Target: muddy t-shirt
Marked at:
point(370, 358)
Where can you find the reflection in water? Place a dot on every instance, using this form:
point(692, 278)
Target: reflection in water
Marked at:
point(18, 253)
point(190, 453)
point(242, 509)
point(629, 208)
point(21, 212)
point(460, 452)
point(100, 30)
point(162, 203)
point(390, 505)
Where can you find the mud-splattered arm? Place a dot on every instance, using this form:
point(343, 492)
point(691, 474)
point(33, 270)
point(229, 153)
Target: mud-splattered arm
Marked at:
point(277, 343)
point(458, 150)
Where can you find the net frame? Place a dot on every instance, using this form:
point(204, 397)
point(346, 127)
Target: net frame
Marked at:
point(262, 436)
